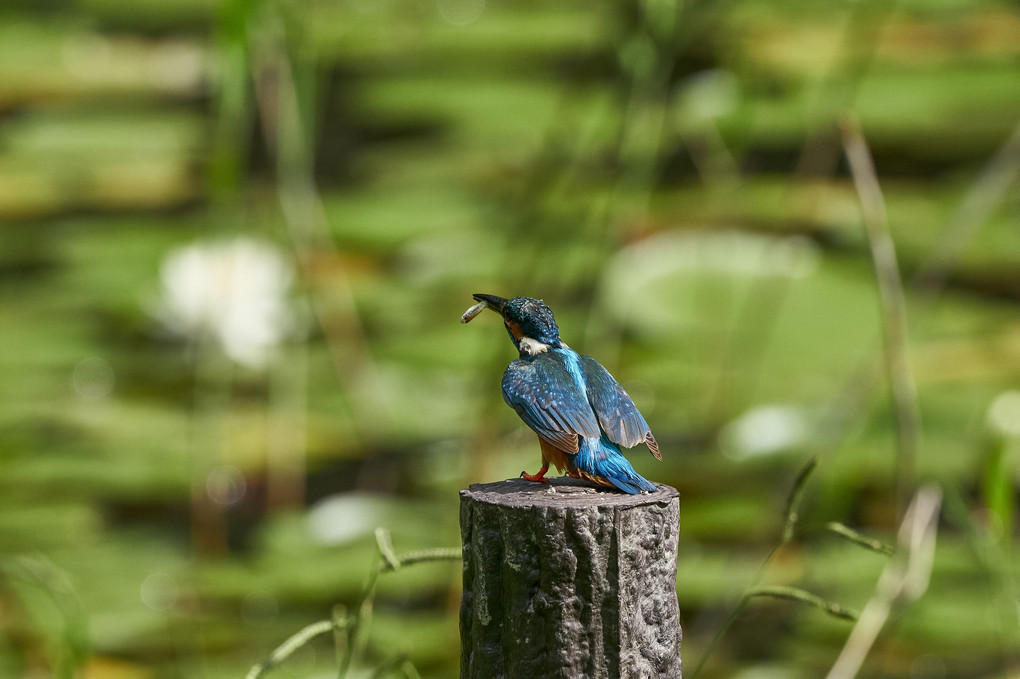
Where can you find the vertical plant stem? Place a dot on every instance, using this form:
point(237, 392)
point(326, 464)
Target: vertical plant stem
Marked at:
point(987, 192)
point(796, 496)
point(68, 649)
point(290, 139)
point(994, 555)
point(904, 579)
point(858, 43)
point(233, 117)
point(285, 455)
point(893, 308)
point(723, 629)
point(208, 445)
point(791, 516)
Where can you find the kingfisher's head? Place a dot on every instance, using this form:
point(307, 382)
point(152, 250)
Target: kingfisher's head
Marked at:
point(528, 321)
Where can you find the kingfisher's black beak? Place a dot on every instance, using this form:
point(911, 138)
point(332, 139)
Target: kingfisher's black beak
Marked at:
point(497, 304)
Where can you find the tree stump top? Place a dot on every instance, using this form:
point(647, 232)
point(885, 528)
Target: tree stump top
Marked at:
point(568, 579)
point(561, 492)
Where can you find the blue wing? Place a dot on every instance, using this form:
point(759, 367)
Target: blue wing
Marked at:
point(549, 401)
point(619, 417)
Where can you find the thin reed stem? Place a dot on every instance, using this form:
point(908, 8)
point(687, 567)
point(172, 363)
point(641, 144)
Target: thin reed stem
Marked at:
point(893, 309)
point(904, 579)
point(350, 630)
point(858, 539)
point(287, 648)
point(797, 594)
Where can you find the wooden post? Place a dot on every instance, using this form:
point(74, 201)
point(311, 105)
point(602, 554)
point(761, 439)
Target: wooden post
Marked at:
point(567, 580)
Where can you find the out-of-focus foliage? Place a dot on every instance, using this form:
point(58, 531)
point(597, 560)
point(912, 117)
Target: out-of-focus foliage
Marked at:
point(237, 237)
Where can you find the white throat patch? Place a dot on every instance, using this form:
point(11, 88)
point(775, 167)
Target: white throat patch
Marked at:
point(532, 347)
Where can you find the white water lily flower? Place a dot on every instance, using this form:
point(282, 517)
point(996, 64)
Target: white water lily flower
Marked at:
point(235, 291)
point(765, 430)
point(1004, 413)
point(344, 517)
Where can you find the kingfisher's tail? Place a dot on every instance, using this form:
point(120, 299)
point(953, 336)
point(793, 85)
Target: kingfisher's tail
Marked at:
point(601, 461)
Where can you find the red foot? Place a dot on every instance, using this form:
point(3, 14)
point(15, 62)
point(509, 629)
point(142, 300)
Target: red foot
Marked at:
point(540, 476)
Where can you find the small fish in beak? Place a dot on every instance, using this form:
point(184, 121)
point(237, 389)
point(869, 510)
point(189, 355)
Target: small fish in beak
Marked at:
point(469, 315)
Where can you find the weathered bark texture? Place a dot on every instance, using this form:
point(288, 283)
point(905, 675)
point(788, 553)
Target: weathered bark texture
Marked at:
point(569, 581)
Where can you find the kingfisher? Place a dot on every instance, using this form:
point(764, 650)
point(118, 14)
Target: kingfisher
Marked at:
point(580, 412)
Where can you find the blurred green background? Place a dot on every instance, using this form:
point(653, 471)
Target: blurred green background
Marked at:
point(237, 238)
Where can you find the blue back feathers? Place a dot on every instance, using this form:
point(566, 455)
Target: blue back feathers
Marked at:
point(572, 402)
point(545, 395)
